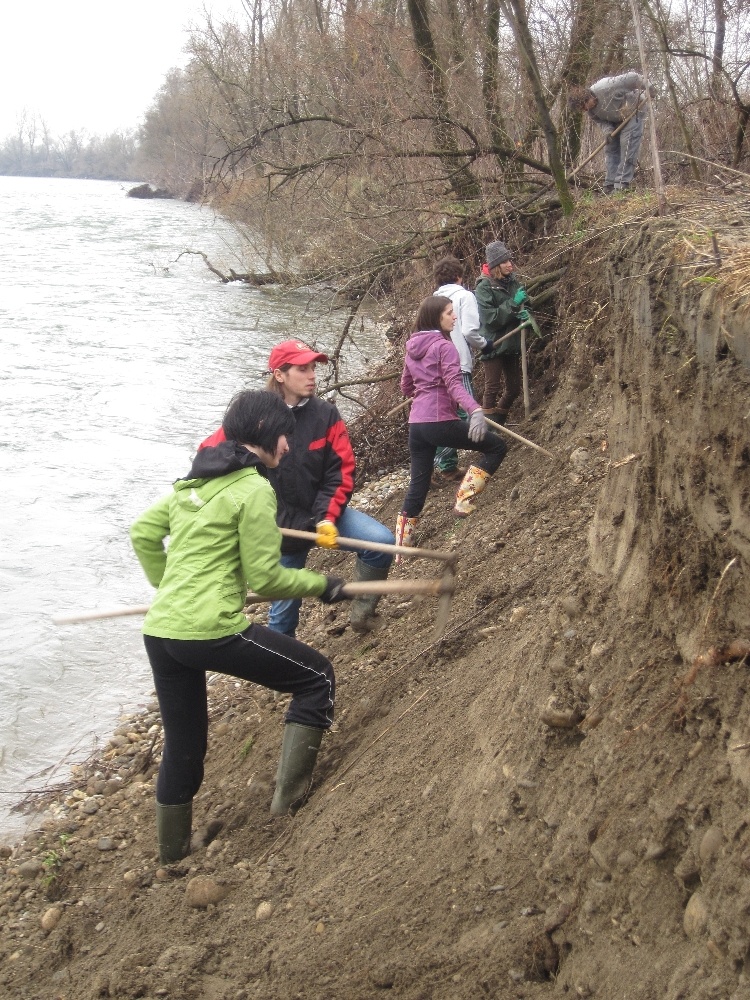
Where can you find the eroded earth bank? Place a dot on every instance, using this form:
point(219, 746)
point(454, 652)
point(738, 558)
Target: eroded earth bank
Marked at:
point(551, 801)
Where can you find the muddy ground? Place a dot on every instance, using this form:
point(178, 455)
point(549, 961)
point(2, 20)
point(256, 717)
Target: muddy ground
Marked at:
point(551, 801)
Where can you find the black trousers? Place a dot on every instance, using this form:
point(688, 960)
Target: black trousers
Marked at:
point(268, 658)
point(425, 439)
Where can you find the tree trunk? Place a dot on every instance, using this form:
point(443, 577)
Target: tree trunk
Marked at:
point(515, 12)
point(461, 180)
point(575, 72)
point(493, 114)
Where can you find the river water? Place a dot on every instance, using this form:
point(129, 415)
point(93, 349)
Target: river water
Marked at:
point(118, 356)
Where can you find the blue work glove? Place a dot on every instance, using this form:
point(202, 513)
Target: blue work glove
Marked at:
point(488, 348)
point(520, 297)
point(334, 591)
point(477, 426)
point(523, 315)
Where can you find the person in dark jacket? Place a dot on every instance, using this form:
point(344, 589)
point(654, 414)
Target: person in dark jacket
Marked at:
point(314, 483)
point(221, 525)
point(501, 300)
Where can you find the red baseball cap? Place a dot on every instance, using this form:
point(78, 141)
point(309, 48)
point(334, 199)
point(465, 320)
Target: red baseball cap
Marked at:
point(294, 352)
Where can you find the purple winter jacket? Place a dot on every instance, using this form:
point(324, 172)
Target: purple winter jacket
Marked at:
point(432, 376)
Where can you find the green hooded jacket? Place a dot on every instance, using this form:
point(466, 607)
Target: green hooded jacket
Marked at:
point(223, 541)
point(497, 314)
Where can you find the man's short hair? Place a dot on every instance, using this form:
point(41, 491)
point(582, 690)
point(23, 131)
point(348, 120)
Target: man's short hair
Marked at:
point(577, 97)
point(447, 270)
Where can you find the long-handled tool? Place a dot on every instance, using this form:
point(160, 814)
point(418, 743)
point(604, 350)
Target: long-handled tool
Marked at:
point(357, 543)
point(517, 437)
point(610, 137)
point(442, 588)
point(437, 588)
point(528, 324)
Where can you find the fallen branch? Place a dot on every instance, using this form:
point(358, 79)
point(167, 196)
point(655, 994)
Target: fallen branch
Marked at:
point(359, 381)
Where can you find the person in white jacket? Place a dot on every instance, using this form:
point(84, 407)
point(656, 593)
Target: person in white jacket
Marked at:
point(448, 275)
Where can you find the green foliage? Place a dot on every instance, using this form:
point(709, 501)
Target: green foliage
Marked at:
point(53, 860)
point(246, 747)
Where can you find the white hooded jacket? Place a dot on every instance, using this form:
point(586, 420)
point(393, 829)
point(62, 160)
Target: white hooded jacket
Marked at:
point(465, 333)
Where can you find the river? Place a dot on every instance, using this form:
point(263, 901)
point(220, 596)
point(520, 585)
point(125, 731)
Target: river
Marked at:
point(119, 355)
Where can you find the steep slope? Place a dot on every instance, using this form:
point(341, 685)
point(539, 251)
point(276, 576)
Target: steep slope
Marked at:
point(552, 800)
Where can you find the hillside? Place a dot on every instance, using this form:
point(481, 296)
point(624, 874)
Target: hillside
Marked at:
point(551, 801)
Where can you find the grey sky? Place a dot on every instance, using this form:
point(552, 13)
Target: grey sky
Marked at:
point(89, 65)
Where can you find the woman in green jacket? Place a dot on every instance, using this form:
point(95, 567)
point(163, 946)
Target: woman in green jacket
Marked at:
point(223, 540)
point(500, 299)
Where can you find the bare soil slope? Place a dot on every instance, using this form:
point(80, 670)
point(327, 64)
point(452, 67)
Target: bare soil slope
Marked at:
point(551, 801)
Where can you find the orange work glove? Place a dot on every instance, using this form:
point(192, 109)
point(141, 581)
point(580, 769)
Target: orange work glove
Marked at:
point(328, 535)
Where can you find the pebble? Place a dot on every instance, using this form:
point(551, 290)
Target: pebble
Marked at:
point(695, 919)
point(710, 844)
point(264, 910)
point(579, 458)
point(29, 869)
point(627, 860)
point(572, 606)
point(203, 891)
point(105, 844)
point(561, 718)
point(50, 919)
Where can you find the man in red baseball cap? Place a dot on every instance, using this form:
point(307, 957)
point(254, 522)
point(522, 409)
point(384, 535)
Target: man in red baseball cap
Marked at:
point(314, 483)
point(294, 352)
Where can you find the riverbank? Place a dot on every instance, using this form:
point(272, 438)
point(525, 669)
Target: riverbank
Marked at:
point(550, 801)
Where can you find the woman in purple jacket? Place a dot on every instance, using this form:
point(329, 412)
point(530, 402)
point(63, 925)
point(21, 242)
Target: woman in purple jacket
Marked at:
point(432, 378)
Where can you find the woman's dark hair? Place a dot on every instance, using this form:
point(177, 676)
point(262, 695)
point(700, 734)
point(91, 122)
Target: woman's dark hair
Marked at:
point(259, 418)
point(430, 311)
point(448, 270)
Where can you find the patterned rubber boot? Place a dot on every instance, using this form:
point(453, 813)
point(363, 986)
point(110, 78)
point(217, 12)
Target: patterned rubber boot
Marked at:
point(405, 530)
point(474, 482)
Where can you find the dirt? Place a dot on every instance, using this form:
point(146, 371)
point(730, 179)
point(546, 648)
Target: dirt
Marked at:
point(552, 800)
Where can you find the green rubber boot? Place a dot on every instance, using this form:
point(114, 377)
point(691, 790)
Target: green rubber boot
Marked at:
point(362, 609)
point(173, 824)
point(299, 751)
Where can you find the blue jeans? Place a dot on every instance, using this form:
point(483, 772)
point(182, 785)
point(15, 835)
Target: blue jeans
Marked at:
point(283, 616)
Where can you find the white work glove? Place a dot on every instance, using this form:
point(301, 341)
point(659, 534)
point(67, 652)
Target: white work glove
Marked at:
point(477, 426)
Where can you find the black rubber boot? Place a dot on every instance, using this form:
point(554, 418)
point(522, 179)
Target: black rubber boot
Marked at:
point(173, 824)
point(362, 609)
point(299, 751)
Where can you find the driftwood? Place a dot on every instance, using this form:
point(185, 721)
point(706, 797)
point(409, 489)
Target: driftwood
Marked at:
point(255, 278)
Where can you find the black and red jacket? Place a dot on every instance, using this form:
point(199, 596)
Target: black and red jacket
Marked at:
point(315, 480)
